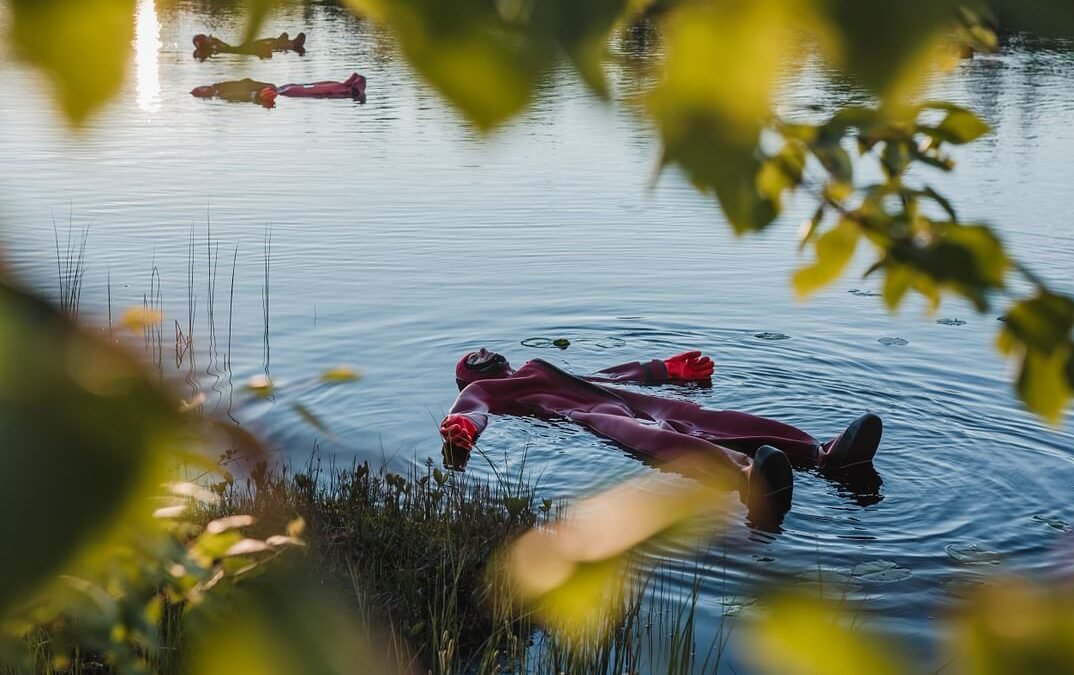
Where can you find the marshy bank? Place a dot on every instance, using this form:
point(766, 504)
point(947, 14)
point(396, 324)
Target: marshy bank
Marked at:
point(417, 562)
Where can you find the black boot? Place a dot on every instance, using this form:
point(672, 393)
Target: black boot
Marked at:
point(771, 484)
point(855, 446)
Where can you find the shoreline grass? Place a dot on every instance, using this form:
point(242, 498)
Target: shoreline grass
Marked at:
point(415, 560)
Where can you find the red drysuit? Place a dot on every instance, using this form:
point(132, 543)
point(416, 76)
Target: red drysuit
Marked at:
point(661, 428)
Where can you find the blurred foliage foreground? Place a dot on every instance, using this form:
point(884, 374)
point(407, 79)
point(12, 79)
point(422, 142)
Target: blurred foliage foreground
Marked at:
point(128, 550)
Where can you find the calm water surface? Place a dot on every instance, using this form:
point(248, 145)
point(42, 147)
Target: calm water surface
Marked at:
point(401, 239)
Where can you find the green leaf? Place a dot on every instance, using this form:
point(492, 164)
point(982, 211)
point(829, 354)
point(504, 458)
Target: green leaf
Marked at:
point(466, 50)
point(1043, 385)
point(966, 259)
point(897, 281)
point(82, 433)
point(895, 158)
point(835, 159)
point(834, 250)
point(811, 227)
point(81, 46)
point(782, 172)
point(1039, 331)
point(581, 30)
point(885, 45)
point(1042, 323)
point(723, 61)
point(486, 57)
point(958, 126)
point(944, 203)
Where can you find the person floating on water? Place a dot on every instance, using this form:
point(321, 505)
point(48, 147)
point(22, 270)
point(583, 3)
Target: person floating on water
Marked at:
point(244, 90)
point(207, 45)
point(758, 452)
point(264, 93)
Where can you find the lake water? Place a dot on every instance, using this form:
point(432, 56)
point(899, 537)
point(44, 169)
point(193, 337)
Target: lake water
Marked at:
point(401, 239)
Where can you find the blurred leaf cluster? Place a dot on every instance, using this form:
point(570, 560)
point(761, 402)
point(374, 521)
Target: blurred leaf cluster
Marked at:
point(1007, 626)
point(576, 573)
point(108, 563)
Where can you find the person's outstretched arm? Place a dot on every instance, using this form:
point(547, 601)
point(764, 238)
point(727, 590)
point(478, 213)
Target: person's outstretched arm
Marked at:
point(468, 417)
point(686, 367)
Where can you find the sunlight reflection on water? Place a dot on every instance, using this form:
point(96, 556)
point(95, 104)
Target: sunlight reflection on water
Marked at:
point(147, 47)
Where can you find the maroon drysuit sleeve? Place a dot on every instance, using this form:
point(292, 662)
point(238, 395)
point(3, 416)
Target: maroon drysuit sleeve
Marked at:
point(498, 396)
point(650, 372)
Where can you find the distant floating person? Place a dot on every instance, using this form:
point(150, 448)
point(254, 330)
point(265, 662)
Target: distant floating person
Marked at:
point(240, 91)
point(207, 45)
point(265, 93)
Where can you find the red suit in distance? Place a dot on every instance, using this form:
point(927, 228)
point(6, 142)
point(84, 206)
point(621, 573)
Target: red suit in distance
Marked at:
point(264, 93)
point(659, 428)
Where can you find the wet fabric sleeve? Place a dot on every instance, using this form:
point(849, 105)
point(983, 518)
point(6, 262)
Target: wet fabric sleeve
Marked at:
point(649, 372)
point(480, 399)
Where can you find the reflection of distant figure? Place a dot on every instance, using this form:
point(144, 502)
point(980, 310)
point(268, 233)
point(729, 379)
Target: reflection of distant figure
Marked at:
point(207, 45)
point(757, 450)
point(264, 93)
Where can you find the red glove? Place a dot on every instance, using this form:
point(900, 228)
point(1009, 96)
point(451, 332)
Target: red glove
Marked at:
point(689, 366)
point(459, 431)
point(267, 97)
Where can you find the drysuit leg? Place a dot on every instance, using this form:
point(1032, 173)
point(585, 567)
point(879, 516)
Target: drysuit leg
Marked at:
point(666, 445)
point(738, 430)
point(747, 433)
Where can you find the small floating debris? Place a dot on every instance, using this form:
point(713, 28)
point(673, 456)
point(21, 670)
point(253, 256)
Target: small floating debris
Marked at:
point(1054, 522)
point(863, 293)
point(340, 374)
point(827, 579)
point(893, 341)
point(972, 554)
point(538, 342)
point(962, 587)
point(733, 605)
point(951, 322)
point(261, 385)
point(1002, 318)
point(880, 571)
point(771, 336)
point(606, 342)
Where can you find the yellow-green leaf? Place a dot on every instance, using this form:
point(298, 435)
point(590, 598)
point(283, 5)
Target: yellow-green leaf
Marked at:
point(340, 374)
point(834, 250)
point(800, 636)
point(1043, 385)
point(960, 126)
point(83, 47)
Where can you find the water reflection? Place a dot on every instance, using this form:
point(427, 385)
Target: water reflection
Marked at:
point(147, 56)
